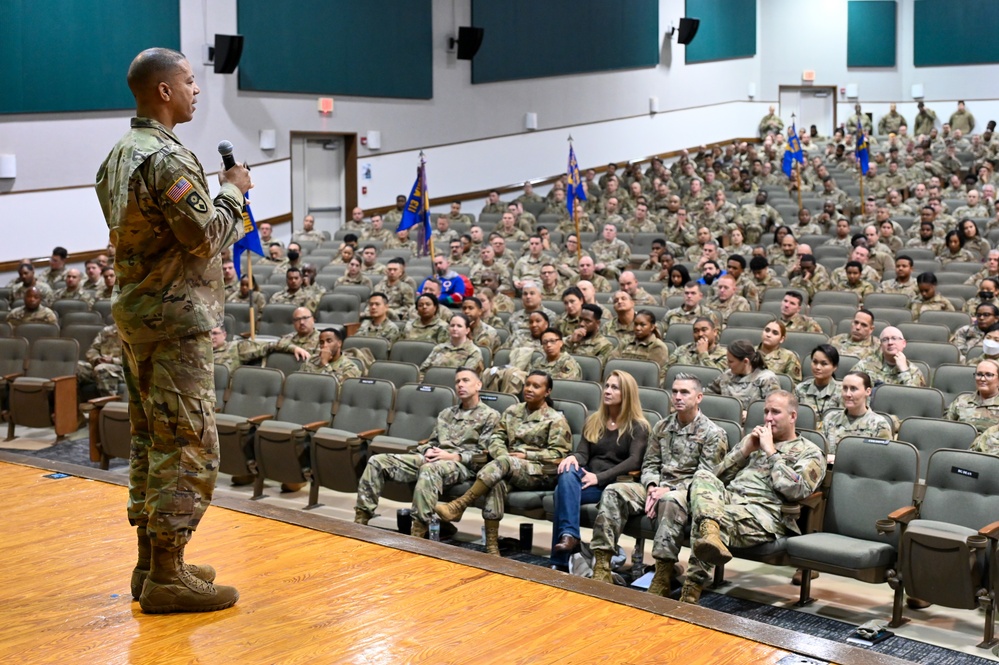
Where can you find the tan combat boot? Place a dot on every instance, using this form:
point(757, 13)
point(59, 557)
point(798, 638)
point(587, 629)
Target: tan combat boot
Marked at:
point(601, 566)
point(709, 547)
point(452, 512)
point(492, 536)
point(417, 529)
point(663, 579)
point(691, 592)
point(170, 588)
point(141, 570)
point(361, 516)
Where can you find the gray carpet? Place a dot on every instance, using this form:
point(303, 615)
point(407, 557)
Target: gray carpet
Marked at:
point(71, 452)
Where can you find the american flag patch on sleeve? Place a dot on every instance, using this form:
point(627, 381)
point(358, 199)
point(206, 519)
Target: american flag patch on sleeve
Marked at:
point(179, 189)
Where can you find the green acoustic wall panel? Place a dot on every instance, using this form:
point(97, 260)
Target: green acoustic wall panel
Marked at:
point(955, 32)
point(870, 33)
point(368, 48)
point(73, 55)
point(727, 30)
point(531, 39)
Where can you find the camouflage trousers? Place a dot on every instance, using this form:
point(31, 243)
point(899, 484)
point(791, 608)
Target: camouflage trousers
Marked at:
point(740, 526)
point(174, 456)
point(622, 500)
point(432, 480)
point(506, 471)
point(107, 376)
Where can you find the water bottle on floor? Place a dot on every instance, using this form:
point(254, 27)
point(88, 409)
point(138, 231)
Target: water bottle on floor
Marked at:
point(434, 528)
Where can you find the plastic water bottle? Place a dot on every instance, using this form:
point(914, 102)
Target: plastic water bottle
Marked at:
point(434, 528)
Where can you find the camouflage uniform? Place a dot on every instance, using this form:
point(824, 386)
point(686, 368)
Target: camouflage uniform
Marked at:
point(622, 332)
point(894, 286)
point(966, 337)
point(783, 361)
point(724, 309)
point(485, 335)
point(681, 315)
point(802, 323)
point(19, 315)
point(820, 399)
point(301, 298)
point(881, 372)
point(79, 293)
point(971, 408)
point(388, 330)
point(837, 424)
point(458, 431)
point(845, 345)
point(401, 297)
point(287, 343)
point(541, 436)
point(307, 236)
point(935, 304)
point(342, 368)
point(688, 355)
point(107, 375)
point(987, 441)
point(169, 236)
point(563, 367)
point(17, 292)
point(745, 494)
point(228, 356)
point(52, 277)
point(748, 388)
point(518, 321)
point(436, 331)
point(652, 348)
point(256, 298)
point(615, 255)
point(675, 451)
point(447, 355)
point(597, 346)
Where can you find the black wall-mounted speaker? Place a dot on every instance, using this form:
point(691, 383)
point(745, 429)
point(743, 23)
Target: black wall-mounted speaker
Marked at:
point(228, 49)
point(469, 42)
point(688, 29)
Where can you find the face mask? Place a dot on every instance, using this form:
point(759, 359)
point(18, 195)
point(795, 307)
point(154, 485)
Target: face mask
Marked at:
point(990, 347)
point(293, 256)
point(986, 295)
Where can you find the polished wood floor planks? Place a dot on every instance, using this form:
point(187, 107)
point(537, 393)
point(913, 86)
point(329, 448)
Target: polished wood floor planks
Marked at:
point(307, 597)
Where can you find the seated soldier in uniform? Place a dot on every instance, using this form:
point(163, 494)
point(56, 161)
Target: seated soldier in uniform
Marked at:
point(447, 458)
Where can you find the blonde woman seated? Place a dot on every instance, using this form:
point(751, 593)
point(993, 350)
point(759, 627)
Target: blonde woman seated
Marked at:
point(822, 392)
point(647, 343)
point(528, 435)
point(459, 351)
point(613, 444)
point(779, 360)
point(747, 378)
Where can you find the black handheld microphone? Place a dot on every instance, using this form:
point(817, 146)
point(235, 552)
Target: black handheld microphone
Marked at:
point(225, 149)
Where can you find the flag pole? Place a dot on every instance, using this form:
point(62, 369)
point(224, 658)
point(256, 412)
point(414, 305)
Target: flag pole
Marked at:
point(253, 318)
point(797, 169)
point(426, 205)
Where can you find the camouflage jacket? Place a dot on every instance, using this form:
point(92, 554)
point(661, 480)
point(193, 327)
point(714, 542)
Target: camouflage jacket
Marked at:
point(881, 372)
point(563, 367)
point(168, 235)
point(845, 345)
point(541, 435)
point(652, 348)
point(19, 315)
point(688, 355)
point(747, 389)
point(597, 346)
point(388, 330)
point(971, 408)
point(106, 344)
point(463, 431)
point(820, 399)
point(435, 331)
point(675, 451)
point(783, 361)
point(342, 368)
point(448, 355)
point(764, 483)
point(837, 424)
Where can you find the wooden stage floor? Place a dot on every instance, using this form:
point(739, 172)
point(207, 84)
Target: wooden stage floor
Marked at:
point(326, 591)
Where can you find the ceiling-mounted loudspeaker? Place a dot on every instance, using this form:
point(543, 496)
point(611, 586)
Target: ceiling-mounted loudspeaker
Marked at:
point(228, 49)
point(469, 40)
point(688, 29)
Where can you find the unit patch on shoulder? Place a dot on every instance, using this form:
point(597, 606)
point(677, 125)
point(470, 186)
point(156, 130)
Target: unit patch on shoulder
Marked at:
point(179, 189)
point(195, 201)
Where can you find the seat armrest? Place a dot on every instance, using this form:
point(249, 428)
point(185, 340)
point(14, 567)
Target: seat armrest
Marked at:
point(904, 515)
point(11, 377)
point(990, 531)
point(370, 434)
point(63, 379)
point(351, 328)
point(256, 420)
point(98, 403)
point(312, 427)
